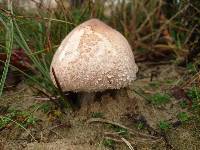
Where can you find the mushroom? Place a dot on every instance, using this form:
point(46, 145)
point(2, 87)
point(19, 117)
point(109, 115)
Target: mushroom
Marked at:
point(93, 57)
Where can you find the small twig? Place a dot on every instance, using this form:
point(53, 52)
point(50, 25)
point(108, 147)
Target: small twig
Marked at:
point(167, 22)
point(190, 34)
point(198, 10)
point(138, 140)
point(44, 98)
point(157, 33)
point(113, 139)
point(131, 131)
point(57, 134)
point(148, 17)
point(194, 78)
point(127, 143)
point(48, 96)
point(132, 141)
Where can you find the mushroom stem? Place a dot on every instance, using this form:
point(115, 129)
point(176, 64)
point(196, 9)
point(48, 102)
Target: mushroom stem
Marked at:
point(78, 99)
point(74, 100)
point(111, 92)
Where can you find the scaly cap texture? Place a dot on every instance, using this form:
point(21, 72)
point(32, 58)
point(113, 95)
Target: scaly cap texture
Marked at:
point(94, 57)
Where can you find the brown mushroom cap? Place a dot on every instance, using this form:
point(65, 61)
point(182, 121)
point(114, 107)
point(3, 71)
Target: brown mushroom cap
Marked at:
point(94, 57)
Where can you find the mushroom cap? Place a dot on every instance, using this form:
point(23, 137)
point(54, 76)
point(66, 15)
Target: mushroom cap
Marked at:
point(93, 57)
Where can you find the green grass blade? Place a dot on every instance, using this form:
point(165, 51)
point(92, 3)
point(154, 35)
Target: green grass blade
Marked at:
point(23, 44)
point(9, 44)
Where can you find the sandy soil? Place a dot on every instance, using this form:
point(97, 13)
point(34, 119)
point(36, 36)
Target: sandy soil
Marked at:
point(87, 128)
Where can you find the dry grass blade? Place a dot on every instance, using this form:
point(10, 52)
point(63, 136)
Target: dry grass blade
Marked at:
point(195, 78)
point(148, 16)
point(190, 34)
point(132, 141)
point(62, 94)
point(167, 22)
point(127, 143)
point(131, 131)
point(56, 80)
point(21, 126)
point(39, 18)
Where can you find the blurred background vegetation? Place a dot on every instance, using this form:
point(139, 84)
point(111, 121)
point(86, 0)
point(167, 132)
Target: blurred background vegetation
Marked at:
point(157, 30)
